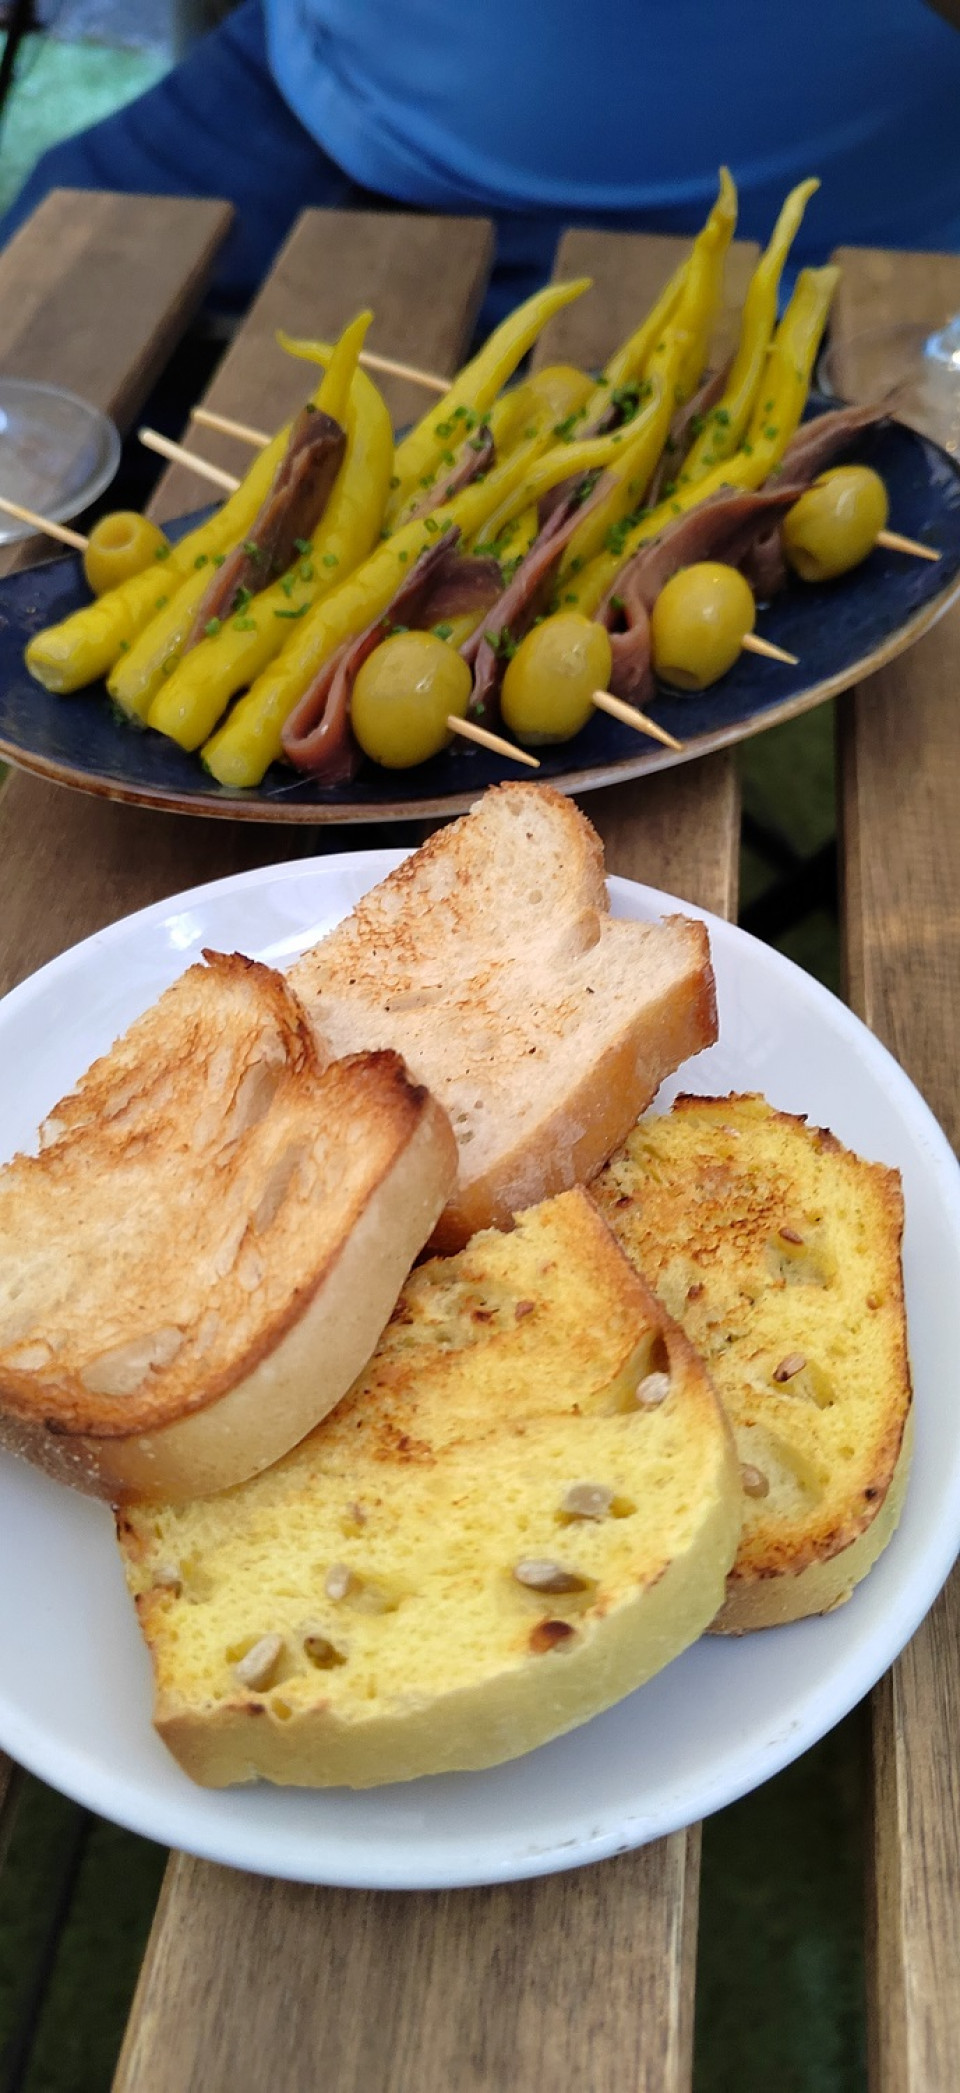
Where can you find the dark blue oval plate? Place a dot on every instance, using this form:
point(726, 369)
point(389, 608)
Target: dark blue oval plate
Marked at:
point(841, 632)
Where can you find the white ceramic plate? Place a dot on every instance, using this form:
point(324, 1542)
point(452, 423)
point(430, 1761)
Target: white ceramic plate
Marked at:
point(74, 1677)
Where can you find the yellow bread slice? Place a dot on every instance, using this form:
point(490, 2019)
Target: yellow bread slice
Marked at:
point(355, 1616)
point(210, 1241)
point(544, 1025)
point(779, 1252)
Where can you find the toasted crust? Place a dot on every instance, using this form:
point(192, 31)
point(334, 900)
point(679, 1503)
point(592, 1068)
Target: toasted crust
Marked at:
point(506, 1376)
point(544, 1025)
point(206, 1248)
point(804, 1331)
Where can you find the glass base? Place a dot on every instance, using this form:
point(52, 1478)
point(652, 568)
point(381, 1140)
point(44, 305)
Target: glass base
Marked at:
point(919, 370)
point(57, 453)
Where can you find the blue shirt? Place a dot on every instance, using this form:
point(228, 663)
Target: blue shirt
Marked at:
point(622, 113)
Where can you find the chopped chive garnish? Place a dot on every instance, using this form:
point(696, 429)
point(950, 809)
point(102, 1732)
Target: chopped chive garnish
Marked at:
point(212, 627)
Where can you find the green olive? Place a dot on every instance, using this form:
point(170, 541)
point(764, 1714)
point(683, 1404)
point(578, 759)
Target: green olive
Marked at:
point(835, 524)
point(698, 624)
point(403, 696)
point(548, 687)
point(119, 546)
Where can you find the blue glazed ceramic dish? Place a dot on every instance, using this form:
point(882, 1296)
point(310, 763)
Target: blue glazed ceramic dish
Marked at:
point(841, 632)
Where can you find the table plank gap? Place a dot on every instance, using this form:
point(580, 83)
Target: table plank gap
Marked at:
point(900, 781)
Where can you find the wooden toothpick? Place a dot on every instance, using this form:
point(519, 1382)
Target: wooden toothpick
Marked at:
point(630, 717)
point(753, 645)
point(471, 732)
point(227, 427)
point(393, 369)
point(44, 523)
point(894, 543)
point(166, 448)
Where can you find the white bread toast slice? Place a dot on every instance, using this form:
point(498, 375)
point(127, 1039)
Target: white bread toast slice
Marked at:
point(213, 1235)
point(779, 1252)
point(526, 1506)
point(544, 1025)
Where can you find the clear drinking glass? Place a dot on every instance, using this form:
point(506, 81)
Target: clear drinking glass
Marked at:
point(920, 367)
point(57, 453)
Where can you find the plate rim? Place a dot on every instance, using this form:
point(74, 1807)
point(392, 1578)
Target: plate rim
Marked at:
point(248, 805)
point(161, 1818)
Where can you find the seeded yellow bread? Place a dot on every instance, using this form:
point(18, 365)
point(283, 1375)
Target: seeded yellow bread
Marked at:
point(779, 1252)
point(491, 962)
point(210, 1241)
point(526, 1505)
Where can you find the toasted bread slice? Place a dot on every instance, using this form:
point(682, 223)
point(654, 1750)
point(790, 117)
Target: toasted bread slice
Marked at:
point(490, 1540)
point(779, 1251)
point(204, 1253)
point(491, 962)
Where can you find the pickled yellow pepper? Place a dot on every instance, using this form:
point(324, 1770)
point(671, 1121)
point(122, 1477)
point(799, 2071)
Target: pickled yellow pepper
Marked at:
point(725, 424)
point(776, 418)
point(188, 705)
point(249, 741)
point(475, 388)
point(85, 646)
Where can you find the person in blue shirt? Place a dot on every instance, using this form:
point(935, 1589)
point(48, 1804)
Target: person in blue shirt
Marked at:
point(543, 113)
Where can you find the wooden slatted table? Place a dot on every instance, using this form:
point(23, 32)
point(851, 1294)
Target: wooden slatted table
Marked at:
point(584, 1979)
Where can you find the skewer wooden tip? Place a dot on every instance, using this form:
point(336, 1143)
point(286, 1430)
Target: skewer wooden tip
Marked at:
point(227, 427)
point(44, 524)
point(471, 732)
point(166, 448)
point(629, 716)
point(389, 365)
point(895, 543)
point(753, 645)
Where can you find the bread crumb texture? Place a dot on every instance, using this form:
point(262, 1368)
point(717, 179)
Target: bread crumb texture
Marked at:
point(188, 1198)
point(778, 1251)
point(487, 1541)
point(543, 1024)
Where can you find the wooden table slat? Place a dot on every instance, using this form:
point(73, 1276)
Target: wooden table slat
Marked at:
point(628, 273)
point(423, 279)
point(900, 769)
point(97, 290)
point(580, 1979)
